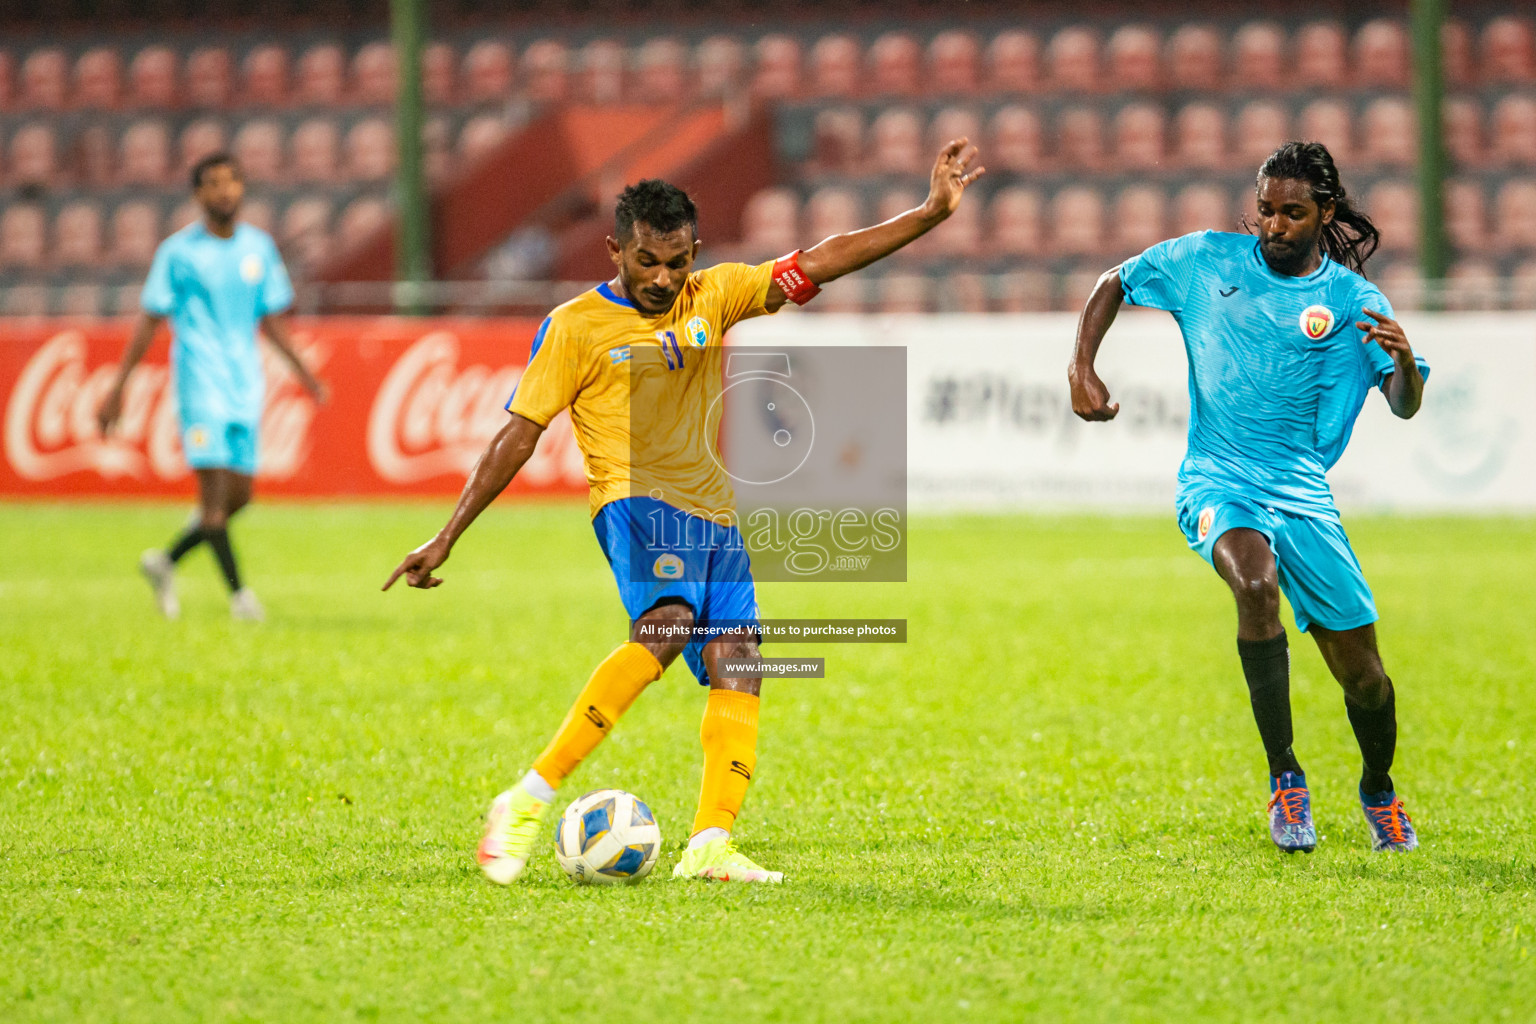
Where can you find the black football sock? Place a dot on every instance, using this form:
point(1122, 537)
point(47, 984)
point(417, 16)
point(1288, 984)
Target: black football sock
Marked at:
point(185, 543)
point(1267, 667)
point(1376, 731)
point(219, 541)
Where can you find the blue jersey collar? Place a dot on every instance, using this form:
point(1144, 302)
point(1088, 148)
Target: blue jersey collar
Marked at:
point(1287, 279)
point(611, 296)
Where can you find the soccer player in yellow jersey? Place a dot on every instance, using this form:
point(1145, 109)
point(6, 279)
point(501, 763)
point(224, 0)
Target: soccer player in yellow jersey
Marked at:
point(638, 363)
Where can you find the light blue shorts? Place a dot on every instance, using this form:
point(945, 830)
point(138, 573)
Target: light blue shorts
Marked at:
point(220, 444)
point(1319, 573)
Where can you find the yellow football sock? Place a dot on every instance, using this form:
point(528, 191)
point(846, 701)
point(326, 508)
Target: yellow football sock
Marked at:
point(729, 734)
point(608, 694)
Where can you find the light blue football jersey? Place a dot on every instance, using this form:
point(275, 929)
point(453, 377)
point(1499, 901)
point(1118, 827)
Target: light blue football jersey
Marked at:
point(215, 291)
point(1277, 369)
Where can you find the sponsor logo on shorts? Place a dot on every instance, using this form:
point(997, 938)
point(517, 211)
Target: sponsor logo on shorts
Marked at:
point(697, 330)
point(1207, 517)
point(252, 268)
point(1316, 322)
point(668, 567)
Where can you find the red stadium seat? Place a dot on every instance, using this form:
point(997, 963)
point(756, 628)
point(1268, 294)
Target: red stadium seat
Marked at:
point(437, 147)
point(1139, 130)
point(963, 292)
point(661, 71)
point(1074, 60)
point(305, 233)
point(1194, 59)
point(1509, 51)
point(1077, 222)
point(1075, 287)
point(1320, 56)
point(1514, 131)
point(1515, 215)
point(1203, 208)
point(23, 236)
point(77, 235)
point(1024, 291)
point(33, 155)
point(373, 73)
point(99, 79)
point(255, 212)
point(135, 233)
point(1522, 286)
point(1401, 282)
point(1391, 138)
point(199, 139)
point(187, 212)
point(45, 80)
point(1080, 138)
point(1381, 59)
point(439, 74)
point(770, 222)
point(210, 77)
point(145, 153)
point(835, 66)
point(1394, 209)
point(954, 63)
point(1013, 62)
point(833, 211)
point(845, 295)
point(1466, 215)
point(1133, 60)
point(1140, 219)
point(1474, 285)
point(958, 237)
point(27, 299)
point(152, 79)
point(1261, 128)
point(721, 63)
point(776, 67)
point(94, 156)
point(1015, 219)
point(893, 203)
point(1456, 53)
point(481, 134)
point(546, 66)
point(953, 123)
point(895, 65)
point(896, 143)
point(600, 77)
point(321, 80)
point(370, 150)
point(1259, 58)
point(7, 81)
point(315, 148)
point(359, 221)
point(1201, 137)
point(1015, 140)
point(904, 293)
point(1328, 121)
point(81, 299)
point(839, 140)
point(1463, 126)
point(258, 145)
point(487, 73)
point(265, 74)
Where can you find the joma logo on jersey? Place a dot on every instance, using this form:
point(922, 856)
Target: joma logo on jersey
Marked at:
point(668, 567)
point(1316, 322)
point(697, 332)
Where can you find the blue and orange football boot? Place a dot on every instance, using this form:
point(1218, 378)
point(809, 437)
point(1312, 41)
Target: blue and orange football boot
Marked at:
point(1390, 827)
point(1290, 813)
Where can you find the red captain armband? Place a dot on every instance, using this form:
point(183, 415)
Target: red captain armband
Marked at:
point(792, 281)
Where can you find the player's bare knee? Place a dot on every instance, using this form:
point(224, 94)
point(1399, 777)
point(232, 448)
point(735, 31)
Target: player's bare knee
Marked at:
point(664, 630)
point(1257, 594)
point(1365, 683)
point(213, 519)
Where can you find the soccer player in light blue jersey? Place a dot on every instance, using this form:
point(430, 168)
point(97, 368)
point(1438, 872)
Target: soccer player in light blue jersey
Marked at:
point(1285, 340)
point(217, 280)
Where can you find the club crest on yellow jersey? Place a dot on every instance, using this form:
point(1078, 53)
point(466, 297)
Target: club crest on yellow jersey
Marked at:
point(1316, 322)
point(697, 332)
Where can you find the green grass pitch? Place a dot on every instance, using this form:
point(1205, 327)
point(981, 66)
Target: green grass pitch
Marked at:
point(1047, 805)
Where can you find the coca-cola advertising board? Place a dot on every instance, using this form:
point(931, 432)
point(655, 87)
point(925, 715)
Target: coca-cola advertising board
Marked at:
point(413, 403)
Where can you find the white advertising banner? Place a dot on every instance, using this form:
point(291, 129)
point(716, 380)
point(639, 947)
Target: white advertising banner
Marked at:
point(990, 423)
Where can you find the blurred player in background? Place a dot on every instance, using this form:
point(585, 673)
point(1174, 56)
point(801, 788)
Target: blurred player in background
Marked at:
point(217, 280)
point(649, 342)
point(1277, 378)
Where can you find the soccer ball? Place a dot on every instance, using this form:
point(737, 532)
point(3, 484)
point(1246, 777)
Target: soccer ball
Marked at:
point(607, 836)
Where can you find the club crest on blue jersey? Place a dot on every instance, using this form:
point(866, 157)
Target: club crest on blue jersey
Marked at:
point(668, 567)
point(1316, 322)
point(697, 331)
point(252, 268)
point(1207, 517)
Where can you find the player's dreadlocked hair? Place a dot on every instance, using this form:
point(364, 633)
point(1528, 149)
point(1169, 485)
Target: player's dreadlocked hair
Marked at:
point(655, 203)
point(1350, 237)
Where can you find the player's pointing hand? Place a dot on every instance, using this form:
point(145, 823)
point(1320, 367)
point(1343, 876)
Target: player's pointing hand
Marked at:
point(418, 565)
point(952, 172)
point(1387, 333)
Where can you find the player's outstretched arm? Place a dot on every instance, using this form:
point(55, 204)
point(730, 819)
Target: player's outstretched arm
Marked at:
point(275, 327)
point(111, 407)
point(833, 257)
point(1405, 387)
point(1090, 397)
point(494, 470)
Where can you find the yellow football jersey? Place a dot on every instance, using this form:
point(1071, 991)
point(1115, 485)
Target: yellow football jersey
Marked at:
point(640, 389)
